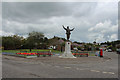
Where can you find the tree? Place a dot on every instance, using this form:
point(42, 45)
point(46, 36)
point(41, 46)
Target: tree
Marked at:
point(11, 42)
point(36, 35)
point(8, 42)
point(17, 41)
point(35, 39)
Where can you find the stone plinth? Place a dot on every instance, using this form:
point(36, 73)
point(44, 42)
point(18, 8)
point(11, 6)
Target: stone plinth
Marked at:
point(67, 53)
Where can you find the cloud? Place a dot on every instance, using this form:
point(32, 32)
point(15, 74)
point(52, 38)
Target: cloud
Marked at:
point(90, 20)
point(104, 31)
point(2, 33)
point(114, 36)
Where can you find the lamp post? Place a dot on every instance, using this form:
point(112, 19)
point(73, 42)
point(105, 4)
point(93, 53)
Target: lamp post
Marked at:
point(21, 46)
point(36, 45)
point(94, 43)
point(40, 45)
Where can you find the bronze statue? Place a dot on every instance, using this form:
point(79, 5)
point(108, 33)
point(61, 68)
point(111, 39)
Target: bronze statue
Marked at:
point(68, 31)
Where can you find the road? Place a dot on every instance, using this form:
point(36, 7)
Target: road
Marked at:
point(54, 67)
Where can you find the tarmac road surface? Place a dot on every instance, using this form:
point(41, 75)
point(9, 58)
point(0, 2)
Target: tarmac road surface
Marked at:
point(54, 67)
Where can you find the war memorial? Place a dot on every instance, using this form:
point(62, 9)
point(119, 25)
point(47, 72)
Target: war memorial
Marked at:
point(67, 53)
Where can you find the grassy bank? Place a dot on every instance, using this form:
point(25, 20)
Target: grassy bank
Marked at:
point(33, 50)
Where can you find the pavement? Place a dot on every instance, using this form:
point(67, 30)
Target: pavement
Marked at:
point(55, 67)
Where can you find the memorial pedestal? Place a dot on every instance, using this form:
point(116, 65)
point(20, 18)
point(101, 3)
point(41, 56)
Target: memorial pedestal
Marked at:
point(67, 53)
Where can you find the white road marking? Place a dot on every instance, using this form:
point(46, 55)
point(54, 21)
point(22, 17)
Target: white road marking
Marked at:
point(97, 71)
point(104, 72)
point(67, 67)
point(111, 72)
point(94, 71)
point(79, 69)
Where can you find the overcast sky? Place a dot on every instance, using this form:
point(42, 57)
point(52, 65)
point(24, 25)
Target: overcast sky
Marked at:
point(91, 20)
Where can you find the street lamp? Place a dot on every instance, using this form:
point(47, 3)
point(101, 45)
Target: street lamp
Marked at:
point(94, 43)
point(21, 46)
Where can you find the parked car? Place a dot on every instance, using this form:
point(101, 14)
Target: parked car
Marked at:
point(118, 51)
point(75, 48)
point(109, 50)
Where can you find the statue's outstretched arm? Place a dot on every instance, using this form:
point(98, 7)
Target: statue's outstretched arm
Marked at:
point(64, 27)
point(72, 29)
